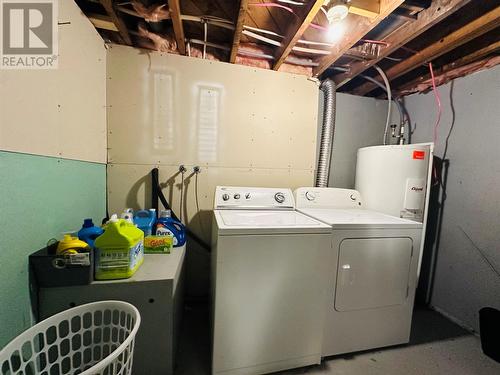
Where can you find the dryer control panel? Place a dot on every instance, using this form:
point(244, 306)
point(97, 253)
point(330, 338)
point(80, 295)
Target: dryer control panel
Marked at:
point(251, 198)
point(310, 197)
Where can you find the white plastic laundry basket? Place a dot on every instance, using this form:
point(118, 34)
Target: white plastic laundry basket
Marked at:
point(96, 338)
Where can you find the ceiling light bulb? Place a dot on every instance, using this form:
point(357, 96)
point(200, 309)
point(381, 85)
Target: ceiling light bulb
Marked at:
point(335, 31)
point(336, 10)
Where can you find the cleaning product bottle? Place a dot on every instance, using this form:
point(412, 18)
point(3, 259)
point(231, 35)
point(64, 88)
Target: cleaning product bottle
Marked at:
point(145, 220)
point(71, 245)
point(89, 232)
point(128, 214)
point(119, 251)
point(168, 226)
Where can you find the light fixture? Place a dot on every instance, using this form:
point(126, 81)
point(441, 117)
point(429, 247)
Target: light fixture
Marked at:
point(335, 32)
point(336, 10)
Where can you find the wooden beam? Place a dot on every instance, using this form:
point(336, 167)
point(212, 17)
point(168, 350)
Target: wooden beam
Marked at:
point(365, 8)
point(407, 88)
point(102, 22)
point(472, 30)
point(439, 10)
point(403, 14)
point(295, 30)
point(237, 31)
point(175, 11)
point(356, 28)
point(126, 10)
point(117, 20)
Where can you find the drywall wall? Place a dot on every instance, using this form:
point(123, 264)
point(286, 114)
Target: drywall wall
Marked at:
point(62, 109)
point(41, 197)
point(242, 126)
point(468, 258)
point(360, 122)
point(44, 114)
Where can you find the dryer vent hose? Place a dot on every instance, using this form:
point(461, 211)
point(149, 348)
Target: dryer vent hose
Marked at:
point(327, 131)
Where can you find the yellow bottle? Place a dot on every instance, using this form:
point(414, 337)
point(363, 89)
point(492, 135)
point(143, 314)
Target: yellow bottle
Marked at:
point(71, 245)
point(119, 251)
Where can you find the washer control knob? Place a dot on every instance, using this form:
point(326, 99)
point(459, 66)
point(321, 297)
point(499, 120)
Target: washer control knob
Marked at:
point(353, 197)
point(310, 196)
point(279, 197)
point(236, 196)
point(225, 197)
point(247, 196)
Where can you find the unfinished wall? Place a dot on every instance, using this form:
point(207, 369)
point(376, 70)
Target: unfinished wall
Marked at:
point(360, 123)
point(243, 126)
point(46, 118)
point(468, 262)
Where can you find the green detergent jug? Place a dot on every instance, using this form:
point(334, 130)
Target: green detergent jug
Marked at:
point(119, 251)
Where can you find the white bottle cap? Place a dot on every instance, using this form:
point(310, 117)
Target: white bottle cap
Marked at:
point(165, 213)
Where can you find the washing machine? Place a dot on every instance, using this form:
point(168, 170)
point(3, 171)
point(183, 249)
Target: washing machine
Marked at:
point(270, 282)
point(375, 268)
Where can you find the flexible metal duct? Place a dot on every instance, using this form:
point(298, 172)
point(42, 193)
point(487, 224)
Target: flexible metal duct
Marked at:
point(328, 128)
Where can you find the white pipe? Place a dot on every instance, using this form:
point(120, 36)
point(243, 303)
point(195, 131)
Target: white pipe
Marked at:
point(278, 44)
point(261, 38)
point(312, 43)
point(311, 50)
point(205, 35)
point(291, 2)
point(302, 41)
point(208, 44)
point(244, 52)
point(389, 101)
point(262, 31)
point(220, 23)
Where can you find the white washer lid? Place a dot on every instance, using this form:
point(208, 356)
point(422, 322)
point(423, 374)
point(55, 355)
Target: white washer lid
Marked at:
point(262, 221)
point(358, 218)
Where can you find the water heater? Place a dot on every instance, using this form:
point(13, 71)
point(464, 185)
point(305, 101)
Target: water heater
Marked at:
point(395, 179)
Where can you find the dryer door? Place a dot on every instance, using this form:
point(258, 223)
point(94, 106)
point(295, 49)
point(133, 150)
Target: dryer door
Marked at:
point(372, 273)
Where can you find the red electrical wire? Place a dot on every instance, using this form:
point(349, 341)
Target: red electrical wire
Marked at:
point(272, 5)
point(318, 27)
point(438, 102)
point(438, 117)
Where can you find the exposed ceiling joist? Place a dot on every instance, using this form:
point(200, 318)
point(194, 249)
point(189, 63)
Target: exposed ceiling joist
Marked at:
point(242, 12)
point(117, 20)
point(410, 87)
point(102, 22)
point(175, 11)
point(365, 8)
point(298, 27)
point(439, 10)
point(472, 30)
point(357, 28)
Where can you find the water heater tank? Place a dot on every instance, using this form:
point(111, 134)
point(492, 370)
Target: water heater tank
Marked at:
point(395, 179)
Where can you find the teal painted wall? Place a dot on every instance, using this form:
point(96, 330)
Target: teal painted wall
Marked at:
point(40, 197)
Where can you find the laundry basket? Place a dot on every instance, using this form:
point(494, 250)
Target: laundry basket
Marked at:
point(96, 338)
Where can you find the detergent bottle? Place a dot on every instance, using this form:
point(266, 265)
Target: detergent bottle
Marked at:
point(168, 226)
point(70, 245)
point(119, 251)
point(128, 214)
point(89, 232)
point(145, 219)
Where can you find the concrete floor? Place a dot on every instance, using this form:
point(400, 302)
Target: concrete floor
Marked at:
point(437, 347)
